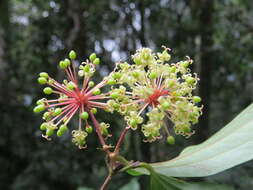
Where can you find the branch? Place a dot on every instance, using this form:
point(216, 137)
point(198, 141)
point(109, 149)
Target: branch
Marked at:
point(106, 182)
point(121, 140)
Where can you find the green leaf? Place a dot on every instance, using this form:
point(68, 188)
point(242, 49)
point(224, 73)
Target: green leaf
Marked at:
point(134, 172)
point(132, 185)
point(161, 182)
point(229, 147)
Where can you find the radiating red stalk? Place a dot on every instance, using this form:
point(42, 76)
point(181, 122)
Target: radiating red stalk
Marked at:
point(98, 97)
point(99, 85)
point(66, 108)
point(61, 88)
point(70, 114)
point(57, 100)
point(62, 103)
point(85, 84)
point(64, 116)
point(97, 103)
point(70, 77)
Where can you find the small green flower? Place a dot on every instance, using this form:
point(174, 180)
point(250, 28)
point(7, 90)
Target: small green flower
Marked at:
point(73, 99)
point(42, 80)
point(39, 108)
point(88, 129)
point(72, 54)
point(44, 74)
point(171, 140)
point(96, 61)
point(164, 90)
point(48, 90)
point(92, 57)
point(84, 115)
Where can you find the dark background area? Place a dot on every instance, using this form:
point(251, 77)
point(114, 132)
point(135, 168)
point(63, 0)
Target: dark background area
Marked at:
point(36, 34)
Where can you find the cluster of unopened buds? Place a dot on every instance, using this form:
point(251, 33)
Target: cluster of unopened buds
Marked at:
point(149, 87)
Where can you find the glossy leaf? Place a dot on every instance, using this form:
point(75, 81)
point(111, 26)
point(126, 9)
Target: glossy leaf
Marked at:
point(161, 182)
point(132, 185)
point(229, 147)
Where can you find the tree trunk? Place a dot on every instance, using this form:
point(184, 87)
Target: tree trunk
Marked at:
point(203, 12)
point(4, 27)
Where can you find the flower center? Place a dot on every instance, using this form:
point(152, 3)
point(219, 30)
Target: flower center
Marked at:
point(153, 98)
point(81, 99)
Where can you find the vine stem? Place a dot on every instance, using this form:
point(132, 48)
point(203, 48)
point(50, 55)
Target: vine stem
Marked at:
point(121, 140)
point(106, 182)
point(113, 156)
point(98, 131)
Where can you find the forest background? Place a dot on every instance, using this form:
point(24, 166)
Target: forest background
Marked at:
point(35, 35)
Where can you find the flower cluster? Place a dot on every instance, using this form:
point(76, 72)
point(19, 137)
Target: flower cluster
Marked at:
point(72, 98)
point(150, 88)
point(158, 90)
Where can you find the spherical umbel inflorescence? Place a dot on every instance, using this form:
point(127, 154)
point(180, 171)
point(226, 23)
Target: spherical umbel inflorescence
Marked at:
point(158, 90)
point(72, 98)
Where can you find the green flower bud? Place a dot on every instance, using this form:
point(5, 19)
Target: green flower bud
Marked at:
point(71, 85)
point(171, 83)
point(137, 60)
point(84, 115)
point(172, 69)
point(186, 129)
point(196, 99)
point(43, 126)
point(135, 74)
point(111, 82)
point(44, 74)
point(50, 81)
point(91, 84)
point(67, 61)
point(41, 101)
point(185, 64)
point(104, 132)
point(48, 90)
point(96, 61)
point(39, 108)
point(92, 57)
point(165, 56)
point(86, 68)
point(63, 128)
point(116, 75)
point(116, 106)
point(49, 132)
point(153, 75)
point(190, 80)
point(94, 110)
point(57, 111)
point(165, 105)
point(89, 129)
point(170, 140)
point(96, 91)
point(59, 133)
point(114, 95)
point(72, 54)
point(133, 122)
point(63, 64)
point(42, 80)
point(46, 115)
point(146, 55)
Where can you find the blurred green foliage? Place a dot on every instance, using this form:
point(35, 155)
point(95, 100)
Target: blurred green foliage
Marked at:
point(35, 35)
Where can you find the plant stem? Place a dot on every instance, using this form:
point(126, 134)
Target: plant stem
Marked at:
point(98, 131)
point(114, 156)
point(106, 182)
point(121, 139)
